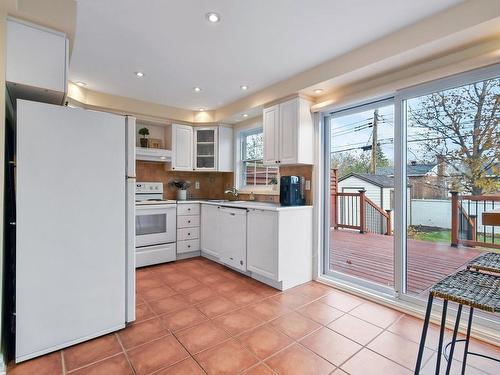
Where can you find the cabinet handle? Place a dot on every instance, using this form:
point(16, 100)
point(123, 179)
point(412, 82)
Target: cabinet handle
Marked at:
point(189, 234)
point(189, 246)
point(189, 221)
point(233, 214)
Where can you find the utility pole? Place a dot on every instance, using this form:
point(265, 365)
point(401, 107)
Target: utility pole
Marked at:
point(374, 142)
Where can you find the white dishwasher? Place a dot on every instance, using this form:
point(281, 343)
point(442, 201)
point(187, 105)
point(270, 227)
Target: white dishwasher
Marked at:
point(233, 237)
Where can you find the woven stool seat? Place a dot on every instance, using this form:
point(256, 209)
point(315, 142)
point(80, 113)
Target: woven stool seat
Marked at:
point(486, 262)
point(470, 288)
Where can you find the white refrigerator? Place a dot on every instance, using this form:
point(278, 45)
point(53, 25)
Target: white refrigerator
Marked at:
point(75, 226)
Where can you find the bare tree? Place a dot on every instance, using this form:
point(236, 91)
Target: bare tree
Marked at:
point(462, 125)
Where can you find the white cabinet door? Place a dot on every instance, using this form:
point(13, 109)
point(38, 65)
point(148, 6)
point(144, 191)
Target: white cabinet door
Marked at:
point(182, 147)
point(262, 243)
point(225, 146)
point(36, 56)
point(210, 230)
point(233, 233)
point(271, 134)
point(288, 131)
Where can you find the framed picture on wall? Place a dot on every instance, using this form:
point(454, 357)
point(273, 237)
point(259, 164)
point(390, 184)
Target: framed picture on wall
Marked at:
point(155, 143)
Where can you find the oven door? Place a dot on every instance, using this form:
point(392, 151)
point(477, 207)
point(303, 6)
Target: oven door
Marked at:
point(155, 224)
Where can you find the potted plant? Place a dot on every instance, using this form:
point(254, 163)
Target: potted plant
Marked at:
point(144, 140)
point(182, 187)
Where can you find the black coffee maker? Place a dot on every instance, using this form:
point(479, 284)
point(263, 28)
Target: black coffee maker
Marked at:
point(292, 191)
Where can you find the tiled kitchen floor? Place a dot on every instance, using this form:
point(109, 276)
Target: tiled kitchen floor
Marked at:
point(197, 317)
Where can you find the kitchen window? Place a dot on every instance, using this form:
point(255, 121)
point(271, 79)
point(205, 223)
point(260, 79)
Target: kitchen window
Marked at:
point(253, 174)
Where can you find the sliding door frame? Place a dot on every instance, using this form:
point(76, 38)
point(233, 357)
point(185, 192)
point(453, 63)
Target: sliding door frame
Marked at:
point(398, 296)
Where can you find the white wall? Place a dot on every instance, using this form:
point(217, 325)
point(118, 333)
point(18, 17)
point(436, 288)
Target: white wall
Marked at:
point(353, 184)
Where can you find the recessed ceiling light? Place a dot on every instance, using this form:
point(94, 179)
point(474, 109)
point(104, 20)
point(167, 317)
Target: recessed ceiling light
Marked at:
point(197, 89)
point(201, 109)
point(318, 91)
point(213, 17)
point(139, 74)
point(81, 84)
point(245, 114)
point(244, 87)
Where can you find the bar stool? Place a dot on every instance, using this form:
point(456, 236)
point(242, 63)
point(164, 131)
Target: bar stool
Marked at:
point(467, 288)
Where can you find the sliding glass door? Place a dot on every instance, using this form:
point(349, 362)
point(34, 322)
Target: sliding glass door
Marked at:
point(360, 159)
point(407, 180)
point(452, 171)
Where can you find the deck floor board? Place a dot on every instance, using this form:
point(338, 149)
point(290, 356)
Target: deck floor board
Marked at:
point(370, 256)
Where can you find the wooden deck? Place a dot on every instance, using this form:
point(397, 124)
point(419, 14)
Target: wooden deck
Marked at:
point(370, 256)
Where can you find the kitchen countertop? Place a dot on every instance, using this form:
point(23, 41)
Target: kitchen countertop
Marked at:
point(268, 206)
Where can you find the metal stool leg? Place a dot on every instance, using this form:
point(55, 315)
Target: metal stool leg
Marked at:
point(455, 331)
point(467, 339)
point(441, 336)
point(424, 334)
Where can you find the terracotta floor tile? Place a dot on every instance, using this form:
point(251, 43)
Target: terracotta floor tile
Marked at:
point(339, 372)
point(117, 365)
point(268, 309)
point(216, 306)
point(185, 285)
point(171, 278)
point(237, 321)
point(265, 291)
point(342, 301)
point(91, 351)
point(142, 332)
point(264, 341)
point(376, 314)
point(199, 294)
point(259, 370)
point(297, 360)
point(49, 364)
point(153, 294)
point(367, 362)
point(185, 367)
point(201, 337)
point(313, 289)
point(213, 279)
point(226, 286)
point(143, 312)
point(243, 296)
point(228, 358)
point(182, 319)
point(294, 325)
point(169, 304)
point(148, 283)
point(429, 367)
point(356, 329)
point(156, 355)
point(320, 312)
point(483, 364)
point(397, 348)
point(330, 345)
point(411, 328)
point(292, 300)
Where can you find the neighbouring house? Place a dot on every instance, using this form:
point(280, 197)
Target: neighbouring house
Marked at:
point(378, 188)
point(426, 180)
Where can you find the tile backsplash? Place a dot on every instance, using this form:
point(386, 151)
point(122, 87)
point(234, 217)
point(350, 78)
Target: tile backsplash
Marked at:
point(212, 184)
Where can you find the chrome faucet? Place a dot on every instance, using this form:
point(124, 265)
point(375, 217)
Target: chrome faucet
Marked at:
point(232, 191)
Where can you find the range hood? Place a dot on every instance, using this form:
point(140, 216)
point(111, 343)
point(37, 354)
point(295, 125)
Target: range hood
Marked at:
point(153, 154)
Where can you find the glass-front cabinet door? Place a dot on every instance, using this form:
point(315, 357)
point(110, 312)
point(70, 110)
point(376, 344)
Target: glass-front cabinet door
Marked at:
point(205, 148)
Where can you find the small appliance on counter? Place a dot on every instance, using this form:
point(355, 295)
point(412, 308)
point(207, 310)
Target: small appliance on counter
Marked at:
point(292, 191)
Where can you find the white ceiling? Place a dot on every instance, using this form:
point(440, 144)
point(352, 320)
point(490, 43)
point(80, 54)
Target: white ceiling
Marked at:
point(256, 43)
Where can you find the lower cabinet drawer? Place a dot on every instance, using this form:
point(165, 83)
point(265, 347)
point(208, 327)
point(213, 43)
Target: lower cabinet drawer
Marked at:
point(188, 234)
point(145, 256)
point(188, 246)
point(189, 221)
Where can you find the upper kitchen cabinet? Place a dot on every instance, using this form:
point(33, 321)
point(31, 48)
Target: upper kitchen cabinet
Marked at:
point(288, 133)
point(182, 147)
point(201, 148)
point(205, 148)
point(36, 63)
